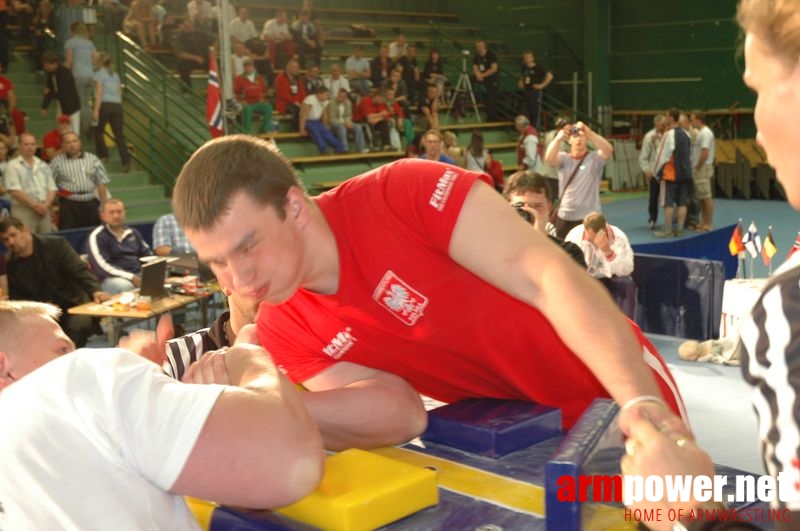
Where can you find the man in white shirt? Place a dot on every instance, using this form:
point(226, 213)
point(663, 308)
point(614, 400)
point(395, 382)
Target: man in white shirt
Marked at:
point(279, 37)
point(242, 28)
point(703, 169)
point(397, 49)
point(609, 258)
point(337, 81)
point(314, 119)
point(132, 441)
point(32, 187)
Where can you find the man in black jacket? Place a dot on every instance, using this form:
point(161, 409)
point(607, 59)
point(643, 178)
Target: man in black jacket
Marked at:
point(61, 86)
point(47, 269)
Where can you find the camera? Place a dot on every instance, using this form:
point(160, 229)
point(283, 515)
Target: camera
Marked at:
point(573, 130)
point(465, 53)
point(527, 216)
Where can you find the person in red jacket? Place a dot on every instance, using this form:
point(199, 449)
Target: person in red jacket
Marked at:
point(373, 111)
point(290, 93)
point(251, 91)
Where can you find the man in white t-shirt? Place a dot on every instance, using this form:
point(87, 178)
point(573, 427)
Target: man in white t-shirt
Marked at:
point(102, 439)
point(703, 169)
point(314, 122)
point(278, 36)
point(242, 28)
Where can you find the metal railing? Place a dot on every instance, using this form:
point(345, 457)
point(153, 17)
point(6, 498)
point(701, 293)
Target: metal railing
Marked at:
point(164, 120)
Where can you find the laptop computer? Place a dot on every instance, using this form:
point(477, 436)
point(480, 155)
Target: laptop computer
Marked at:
point(188, 264)
point(154, 273)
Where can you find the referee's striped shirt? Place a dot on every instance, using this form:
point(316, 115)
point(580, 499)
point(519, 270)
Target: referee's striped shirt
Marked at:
point(80, 176)
point(185, 350)
point(770, 338)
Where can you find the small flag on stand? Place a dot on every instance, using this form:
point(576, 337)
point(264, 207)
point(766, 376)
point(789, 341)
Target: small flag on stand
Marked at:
point(769, 248)
point(752, 241)
point(795, 247)
point(213, 103)
point(735, 246)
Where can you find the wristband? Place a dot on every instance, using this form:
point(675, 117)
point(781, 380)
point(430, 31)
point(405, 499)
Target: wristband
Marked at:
point(643, 398)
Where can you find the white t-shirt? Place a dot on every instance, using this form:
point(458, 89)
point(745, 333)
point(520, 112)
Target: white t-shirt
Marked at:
point(704, 139)
point(317, 107)
point(275, 31)
point(94, 439)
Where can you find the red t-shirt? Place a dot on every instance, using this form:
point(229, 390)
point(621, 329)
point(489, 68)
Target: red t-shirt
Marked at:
point(6, 86)
point(405, 307)
point(51, 139)
point(366, 107)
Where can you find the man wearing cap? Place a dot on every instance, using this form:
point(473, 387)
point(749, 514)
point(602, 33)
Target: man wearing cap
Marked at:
point(251, 91)
point(82, 184)
point(52, 140)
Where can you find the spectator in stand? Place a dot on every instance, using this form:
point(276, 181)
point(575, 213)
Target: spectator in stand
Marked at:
point(609, 258)
point(250, 90)
point(398, 85)
point(381, 66)
point(533, 79)
point(312, 81)
point(61, 87)
point(397, 121)
point(8, 130)
point(306, 38)
point(192, 48)
point(433, 73)
point(314, 122)
point(432, 142)
point(428, 108)
point(486, 70)
point(398, 48)
point(168, 237)
point(114, 12)
point(340, 119)
point(217, 16)
point(80, 56)
point(242, 28)
point(528, 156)
point(23, 11)
point(476, 155)
point(114, 250)
point(141, 21)
point(279, 38)
point(259, 52)
point(52, 141)
point(238, 57)
point(374, 114)
point(408, 62)
point(30, 183)
point(337, 81)
point(43, 23)
point(358, 71)
point(452, 149)
point(290, 93)
point(108, 110)
point(5, 199)
point(8, 104)
point(199, 12)
point(82, 184)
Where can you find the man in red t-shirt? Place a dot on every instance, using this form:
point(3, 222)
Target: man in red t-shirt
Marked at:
point(51, 142)
point(397, 277)
point(374, 112)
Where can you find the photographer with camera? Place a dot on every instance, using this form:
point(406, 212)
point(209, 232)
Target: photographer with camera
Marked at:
point(579, 173)
point(528, 193)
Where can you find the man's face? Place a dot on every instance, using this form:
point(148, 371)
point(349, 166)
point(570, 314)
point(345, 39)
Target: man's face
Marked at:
point(336, 71)
point(49, 67)
point(532, 202)
point(255, 253)
point(384, 51)
point(323, 96)
point(395, 76)
point(313, 72)
point(433, 146)
point(480, 47)
point(72, 144)
point(578, 143)
point(18, 241)
point(527, 58)
point(280, 17)
point(27, 146)
point(244, 14)
point(249, 68)
point(113, 215)
point(292, 67)
point(44, 341)
point(357, 53)
point(661, 126)
point(63, 128)
point(341, 96)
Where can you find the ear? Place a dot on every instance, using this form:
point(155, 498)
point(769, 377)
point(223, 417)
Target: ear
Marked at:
point(297, 207)
point(5, 366)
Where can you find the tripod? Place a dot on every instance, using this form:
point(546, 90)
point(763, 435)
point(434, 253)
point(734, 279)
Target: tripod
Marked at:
point(464, 86)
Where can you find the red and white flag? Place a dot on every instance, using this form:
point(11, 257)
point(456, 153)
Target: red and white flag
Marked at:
point(795, 247)
point(213, 102)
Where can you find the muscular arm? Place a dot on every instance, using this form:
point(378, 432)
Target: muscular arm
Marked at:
point(356, 406)
point(259, 447)
point(493, 243)
point(702, 160)
point(553, 149)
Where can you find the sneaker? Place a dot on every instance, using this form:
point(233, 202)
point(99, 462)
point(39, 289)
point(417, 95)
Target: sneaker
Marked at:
point(652, 224)
point(677, 233)
point(666, 233)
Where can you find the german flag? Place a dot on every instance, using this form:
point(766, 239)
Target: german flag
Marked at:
point(735, 246)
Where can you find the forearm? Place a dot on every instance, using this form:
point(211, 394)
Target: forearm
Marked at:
point(51, 197)
point(602, 144)
point(21, 197)
point(367, 413)
point(551, 154)
point(703, 159)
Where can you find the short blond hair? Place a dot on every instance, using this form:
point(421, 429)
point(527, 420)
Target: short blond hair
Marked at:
point(777, 22)
point(11, 312)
